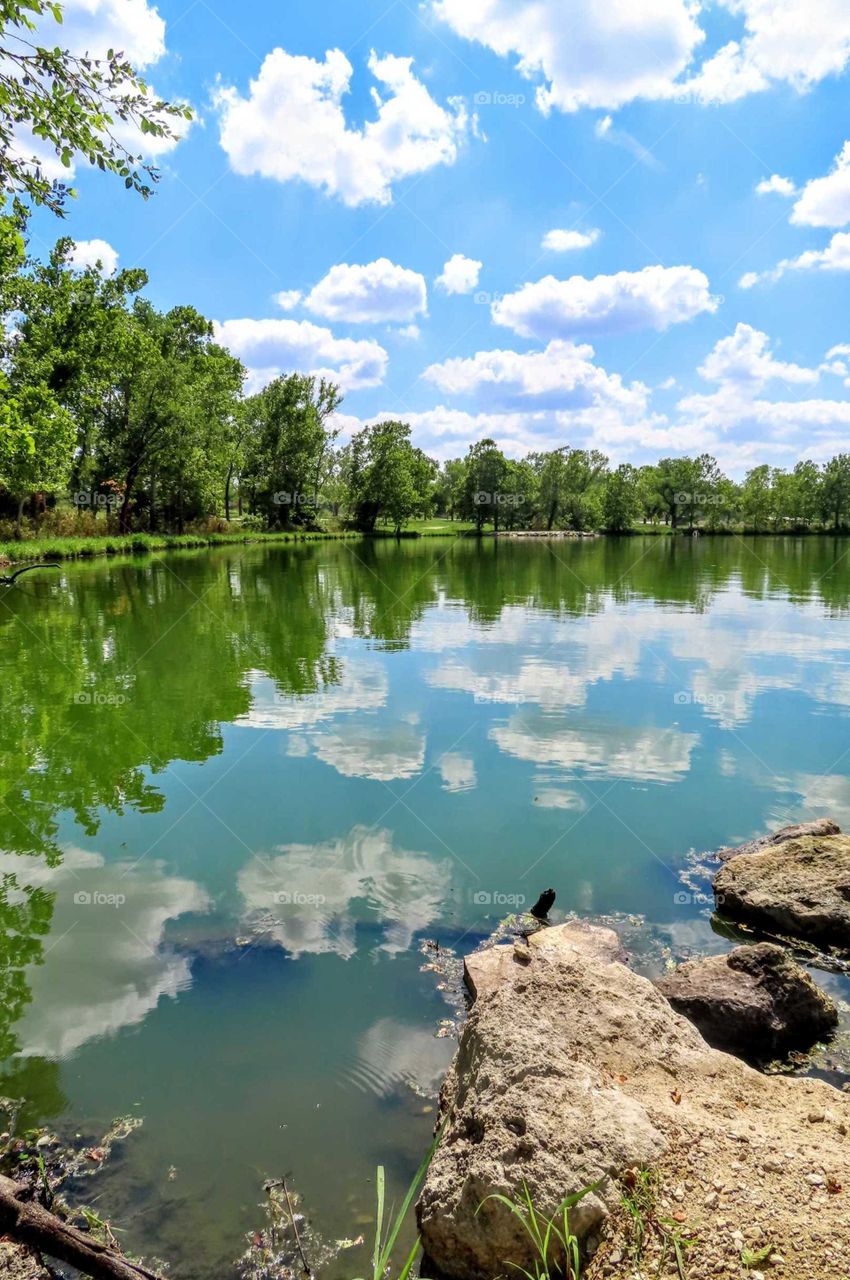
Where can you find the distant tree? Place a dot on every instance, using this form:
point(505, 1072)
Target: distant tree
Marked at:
point(485, 494)
point(388, 478)
point(620, 500)
point(69, 105)
point(289, 437)
point(835, 490)
point(758, 498)
point(36, 439)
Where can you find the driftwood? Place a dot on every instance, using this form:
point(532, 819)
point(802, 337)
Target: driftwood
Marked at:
point(9, 581)
point(29, 1223)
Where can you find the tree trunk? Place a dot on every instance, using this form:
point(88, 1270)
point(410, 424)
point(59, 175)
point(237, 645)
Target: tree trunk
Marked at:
point(30, 1224)
point(227, 493)
point(18, 531)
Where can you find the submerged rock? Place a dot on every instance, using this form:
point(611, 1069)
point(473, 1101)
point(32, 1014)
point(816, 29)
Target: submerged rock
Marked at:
point(820, 827)
point(575, 1071)
point(754, 1001)
point(799, 887)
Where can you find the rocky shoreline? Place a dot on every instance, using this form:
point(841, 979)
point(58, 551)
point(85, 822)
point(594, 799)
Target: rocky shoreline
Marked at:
point(574, 1072)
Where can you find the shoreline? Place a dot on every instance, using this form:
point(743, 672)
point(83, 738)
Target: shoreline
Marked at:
point(68, 548)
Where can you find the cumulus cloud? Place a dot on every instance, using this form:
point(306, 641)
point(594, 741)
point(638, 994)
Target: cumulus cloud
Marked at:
point(745, 358)
point(94, 253)
point(288, 299)
point(653, 298)
point(825, 202)
point(272, 347)
point(835, 257)
point(609, 53)
point(563, 376)
point(776, 185)
point(460, 274)
point(292, 125)
point(379, 293)
point(565, 241)
point(586, 55)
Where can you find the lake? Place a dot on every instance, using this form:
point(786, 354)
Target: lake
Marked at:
point(242, 788)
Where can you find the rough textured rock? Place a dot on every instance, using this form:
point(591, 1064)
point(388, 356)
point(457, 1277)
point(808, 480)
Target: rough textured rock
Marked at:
point(820, 827)
point(754, 1001)
point(18, 1263)
point(486, 970)
point(575, 1070)
point(800, 887)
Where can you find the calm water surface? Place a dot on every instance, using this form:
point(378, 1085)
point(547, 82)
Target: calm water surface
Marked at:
point(239, 789)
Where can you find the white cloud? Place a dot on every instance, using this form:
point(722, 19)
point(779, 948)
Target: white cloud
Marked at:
point(746, 360)
point(460, 274)
point(96, 26)
point(609, 53)
point(653, 298)
point(588, 55)
point(272, 347)
point(378, 293)
point(605, 131)
point(563, 376)
point(288, 299)
point(409, 332)
point(835, 257)
point(94, 253)
point(292, 125)
point(457, 771)
point(565, 241)
point(825, 202)
point(776, 185)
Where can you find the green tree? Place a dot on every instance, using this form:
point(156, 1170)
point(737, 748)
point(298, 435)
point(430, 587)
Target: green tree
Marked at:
point(620, 499)
point(484, 492)
point(835, 490)
point(288, 446)
point(388, 478)
point(70, 105)
point(36, 440)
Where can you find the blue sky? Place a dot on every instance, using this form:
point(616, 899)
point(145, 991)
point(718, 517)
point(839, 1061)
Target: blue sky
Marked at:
point(344, 154)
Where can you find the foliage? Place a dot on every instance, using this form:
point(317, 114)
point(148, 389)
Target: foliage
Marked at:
point(387, 477)
point(556, 1248)
point(385, 1241)
point(56, 102)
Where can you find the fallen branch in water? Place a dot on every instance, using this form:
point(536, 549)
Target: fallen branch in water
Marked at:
point(27, 1222)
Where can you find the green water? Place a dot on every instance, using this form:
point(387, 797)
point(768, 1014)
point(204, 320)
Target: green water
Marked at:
point(239, 788)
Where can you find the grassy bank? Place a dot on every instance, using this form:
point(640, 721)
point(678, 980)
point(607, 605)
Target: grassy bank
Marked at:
point(50, 547)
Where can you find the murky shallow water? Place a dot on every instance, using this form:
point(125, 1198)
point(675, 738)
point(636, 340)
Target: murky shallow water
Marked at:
point(238, 789)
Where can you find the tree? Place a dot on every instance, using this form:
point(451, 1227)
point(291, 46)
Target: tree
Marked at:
point(71, 105)
point(36, 439)
point(387, 476)
point(484, 493)
point(835, 490)
point(758, 505)
point(620, 501)
point(288, 444)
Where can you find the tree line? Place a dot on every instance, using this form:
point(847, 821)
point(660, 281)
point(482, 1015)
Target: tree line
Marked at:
point(140, 418)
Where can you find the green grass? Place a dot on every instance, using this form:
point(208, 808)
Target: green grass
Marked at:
point(58, 548)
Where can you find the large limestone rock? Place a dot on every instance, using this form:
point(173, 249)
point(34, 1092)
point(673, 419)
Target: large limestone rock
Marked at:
point(819, 827)
point(575, 1070)
point(754, 1001)
point(486, 970)
point(800, 887)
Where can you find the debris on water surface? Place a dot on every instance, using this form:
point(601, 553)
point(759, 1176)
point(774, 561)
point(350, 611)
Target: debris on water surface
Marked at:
point(287, 1247)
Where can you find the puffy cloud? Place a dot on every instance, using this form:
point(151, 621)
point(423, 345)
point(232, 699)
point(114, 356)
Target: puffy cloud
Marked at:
point(745, 359)
point(565, 241)
point(609, 53)
point(776, 185)
point(272, 347)
point(96, 26)
point(835, 257)
point(653, 298)
point(378, 293)
point(588, 55)
point(563, 376)
point(373, 750)
point(599, 751)
point(288, 299)
point(460, 274)
point(292, 125)
point(825, 202)
point(94, 253)
point(457, 772)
